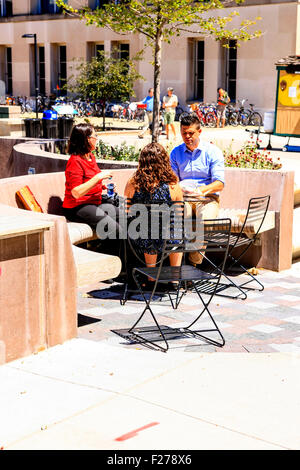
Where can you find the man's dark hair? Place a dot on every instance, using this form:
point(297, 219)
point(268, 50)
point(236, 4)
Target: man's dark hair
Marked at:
point(79, 139)
point(218, 89)
point(190, 120)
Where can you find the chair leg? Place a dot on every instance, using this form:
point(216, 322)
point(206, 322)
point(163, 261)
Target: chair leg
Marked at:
point(124, 298)
point(242, 286)
point(199, 333)
point(242, 295)
point(178, 297)
point(137, 333)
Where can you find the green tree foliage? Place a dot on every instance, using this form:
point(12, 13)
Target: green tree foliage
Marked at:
point(161, 20)
point(104, 78)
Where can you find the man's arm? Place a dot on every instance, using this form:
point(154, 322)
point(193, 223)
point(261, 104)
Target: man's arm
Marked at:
point(211, 188)
point(174, 164)
point(175, 102)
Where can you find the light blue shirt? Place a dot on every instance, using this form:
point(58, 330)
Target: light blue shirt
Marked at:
point(204, 165)
point(149, 102)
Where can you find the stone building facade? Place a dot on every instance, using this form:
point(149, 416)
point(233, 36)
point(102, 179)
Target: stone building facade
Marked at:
point(194, 66)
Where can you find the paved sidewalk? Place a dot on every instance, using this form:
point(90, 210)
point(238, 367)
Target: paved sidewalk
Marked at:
point(96, 392)
point(266, 322)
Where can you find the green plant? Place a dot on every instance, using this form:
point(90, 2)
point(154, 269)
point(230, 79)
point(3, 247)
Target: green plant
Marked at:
point(118, 152)
point(250, 157)
point(105, 77)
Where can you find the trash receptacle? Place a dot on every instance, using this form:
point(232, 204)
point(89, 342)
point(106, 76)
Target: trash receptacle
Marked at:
point(50, 124)
point(33, 128)
point(65, 126)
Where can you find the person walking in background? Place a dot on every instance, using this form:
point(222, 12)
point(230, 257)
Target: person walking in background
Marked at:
point(170, 102)
point(148, 100)
point(223, 100)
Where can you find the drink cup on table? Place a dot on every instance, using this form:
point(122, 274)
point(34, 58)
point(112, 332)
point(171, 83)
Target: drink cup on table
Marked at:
point(110, 189)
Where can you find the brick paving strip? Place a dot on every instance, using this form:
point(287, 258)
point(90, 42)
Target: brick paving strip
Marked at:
point(266, 322)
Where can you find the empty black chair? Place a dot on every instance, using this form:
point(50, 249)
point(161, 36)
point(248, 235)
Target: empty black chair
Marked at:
point(243, 239)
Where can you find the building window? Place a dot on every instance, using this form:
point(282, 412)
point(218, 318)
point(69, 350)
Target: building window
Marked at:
point(99, 48)
point(5, 7)
point(42, 73)
point(62, 70)
point(199, 70)
point(93, 4)
point(93, 49)
point(40, 7)
point(8, 71)
point(120, 50)
point(124, 51)
point(231, 66)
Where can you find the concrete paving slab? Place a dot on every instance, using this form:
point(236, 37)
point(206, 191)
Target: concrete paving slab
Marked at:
point(200, 401)
point(101, 426)
point(255, 395)
point(30, 402)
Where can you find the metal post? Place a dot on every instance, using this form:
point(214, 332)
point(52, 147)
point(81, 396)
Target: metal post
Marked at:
point(35, 77)
point(36, 89)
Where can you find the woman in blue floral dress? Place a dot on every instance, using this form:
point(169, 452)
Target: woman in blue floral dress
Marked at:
point(154, 181)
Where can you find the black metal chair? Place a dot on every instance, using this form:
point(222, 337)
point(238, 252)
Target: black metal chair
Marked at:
point(244, 239)
point(177, 236)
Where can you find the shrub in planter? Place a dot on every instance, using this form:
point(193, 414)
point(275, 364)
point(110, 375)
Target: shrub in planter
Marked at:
point(250, 157)
point(119, 152)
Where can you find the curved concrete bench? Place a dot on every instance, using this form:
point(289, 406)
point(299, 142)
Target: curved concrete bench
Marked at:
point(92, 266)
point(49, 191)
point(80, 233)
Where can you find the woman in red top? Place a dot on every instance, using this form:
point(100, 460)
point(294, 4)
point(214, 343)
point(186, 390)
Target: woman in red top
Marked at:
point(84, 182)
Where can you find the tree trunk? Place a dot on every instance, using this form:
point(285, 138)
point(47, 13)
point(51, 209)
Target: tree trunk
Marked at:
point(157, 72)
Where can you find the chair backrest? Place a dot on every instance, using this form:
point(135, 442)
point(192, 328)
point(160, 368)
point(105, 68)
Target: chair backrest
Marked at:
point(151, 228)
point(163, 228)
point(256, 213)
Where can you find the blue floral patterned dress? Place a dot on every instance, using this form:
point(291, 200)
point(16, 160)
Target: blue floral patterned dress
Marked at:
point(160, 195)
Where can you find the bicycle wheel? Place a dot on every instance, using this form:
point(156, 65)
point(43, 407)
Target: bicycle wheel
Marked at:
point(244, 118)
point(233, 119)
point(255, 119)
point(210, 120)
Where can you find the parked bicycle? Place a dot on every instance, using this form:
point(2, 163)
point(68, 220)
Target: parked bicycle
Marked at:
point(240, 116)
point(231, 115)
point(255, 118)
point(245, 117)
point(26, 104)
point(206, 113)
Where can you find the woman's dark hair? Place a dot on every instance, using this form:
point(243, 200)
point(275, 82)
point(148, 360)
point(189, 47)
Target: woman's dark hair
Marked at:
point(154, 168)
point(79, 139)
point(189, 120)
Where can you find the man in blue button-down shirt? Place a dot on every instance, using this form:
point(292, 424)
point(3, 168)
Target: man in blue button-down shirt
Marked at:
point(199, 166)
